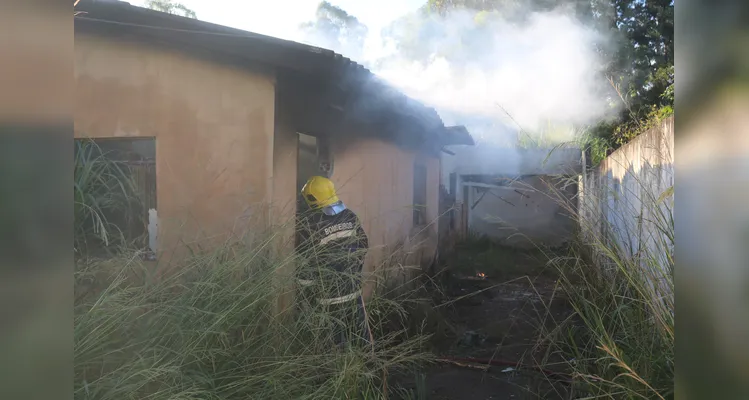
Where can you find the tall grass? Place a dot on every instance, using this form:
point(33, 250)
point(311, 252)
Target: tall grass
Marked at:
point(618, 277)
point(211, 329)
point(217, 325)
point(104, 191)
point(619, 280)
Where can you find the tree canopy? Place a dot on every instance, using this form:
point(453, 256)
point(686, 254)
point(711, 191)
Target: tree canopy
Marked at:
point(171, 7)
point(334, 28)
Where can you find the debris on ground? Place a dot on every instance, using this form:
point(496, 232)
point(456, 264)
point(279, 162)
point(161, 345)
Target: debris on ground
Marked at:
point(495, 311)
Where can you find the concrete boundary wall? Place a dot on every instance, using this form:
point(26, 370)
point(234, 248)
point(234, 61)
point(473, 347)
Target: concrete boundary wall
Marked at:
point(628, 198)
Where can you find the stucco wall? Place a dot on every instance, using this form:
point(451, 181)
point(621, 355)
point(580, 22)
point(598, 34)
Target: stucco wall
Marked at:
point(626, 197)
point(375, 179)
point(285, 190)
point(213, 125)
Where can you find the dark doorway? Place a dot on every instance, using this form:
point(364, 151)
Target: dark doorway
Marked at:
point(313, 159)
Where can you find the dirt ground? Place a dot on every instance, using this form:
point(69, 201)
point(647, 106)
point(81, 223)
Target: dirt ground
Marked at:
point(493, 301)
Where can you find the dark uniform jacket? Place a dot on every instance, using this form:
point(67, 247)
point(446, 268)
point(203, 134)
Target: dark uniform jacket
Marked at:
point(333, 248)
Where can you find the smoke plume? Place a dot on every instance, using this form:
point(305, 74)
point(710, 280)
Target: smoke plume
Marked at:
point(495, 75)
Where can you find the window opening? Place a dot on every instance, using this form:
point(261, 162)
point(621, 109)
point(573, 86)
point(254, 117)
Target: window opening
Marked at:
point(115, 195)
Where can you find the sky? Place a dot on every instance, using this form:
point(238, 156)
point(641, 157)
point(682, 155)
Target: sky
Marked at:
point(281, 18)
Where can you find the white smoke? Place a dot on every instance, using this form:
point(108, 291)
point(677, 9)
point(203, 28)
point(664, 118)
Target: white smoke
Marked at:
point(540, 70)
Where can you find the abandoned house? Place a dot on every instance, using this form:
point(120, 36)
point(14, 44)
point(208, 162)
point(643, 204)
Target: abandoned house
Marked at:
point(230, 124)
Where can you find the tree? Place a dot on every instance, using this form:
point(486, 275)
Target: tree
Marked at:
point(649, 26)
point(335, 29)
point(171, 7)
point(642, 67)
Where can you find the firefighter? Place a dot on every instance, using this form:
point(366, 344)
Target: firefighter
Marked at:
point(333, 244)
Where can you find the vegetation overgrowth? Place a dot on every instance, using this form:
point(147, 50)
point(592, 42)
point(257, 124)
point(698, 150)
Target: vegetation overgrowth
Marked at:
point(618, 342)
point(221, 324)
point(620, 283)
point(213, 328)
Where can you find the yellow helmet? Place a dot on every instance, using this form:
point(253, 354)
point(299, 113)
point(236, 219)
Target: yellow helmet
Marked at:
point(319, 192)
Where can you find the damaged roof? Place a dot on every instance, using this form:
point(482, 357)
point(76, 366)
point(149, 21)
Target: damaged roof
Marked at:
point(119, 18)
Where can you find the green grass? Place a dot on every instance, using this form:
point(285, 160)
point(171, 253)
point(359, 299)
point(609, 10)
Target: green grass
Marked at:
point(620, 341)
point(210, 330)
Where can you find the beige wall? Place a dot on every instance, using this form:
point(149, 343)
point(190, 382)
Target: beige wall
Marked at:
point(285, 154)
point(283, 207)
point(375, 179)
point(213, 125)
point(434, 175)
